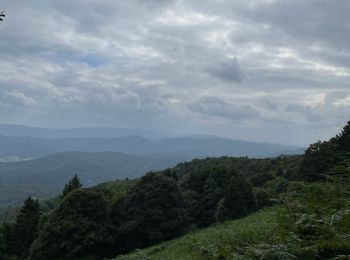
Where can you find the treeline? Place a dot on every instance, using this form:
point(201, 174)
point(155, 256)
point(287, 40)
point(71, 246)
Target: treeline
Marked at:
point(17, 237)
point(324, 159)
point(92, 223)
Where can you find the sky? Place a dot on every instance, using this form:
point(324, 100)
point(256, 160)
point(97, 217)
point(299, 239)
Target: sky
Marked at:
point(261, 70)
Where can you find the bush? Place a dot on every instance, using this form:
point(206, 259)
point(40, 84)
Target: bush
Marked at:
point(262, 198)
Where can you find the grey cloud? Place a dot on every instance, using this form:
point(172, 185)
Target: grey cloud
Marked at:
point(228, 70)
point(219, 107)
point(152, 62)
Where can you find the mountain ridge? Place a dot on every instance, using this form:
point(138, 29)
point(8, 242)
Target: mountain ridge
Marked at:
point(34, 147)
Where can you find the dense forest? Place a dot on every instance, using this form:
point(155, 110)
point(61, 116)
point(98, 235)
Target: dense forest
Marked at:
point(308, 194)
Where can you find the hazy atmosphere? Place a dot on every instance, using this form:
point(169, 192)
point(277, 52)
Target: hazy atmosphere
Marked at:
point(273, 71)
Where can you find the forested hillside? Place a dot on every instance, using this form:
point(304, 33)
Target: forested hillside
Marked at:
point(46, 176)
point(294, 207)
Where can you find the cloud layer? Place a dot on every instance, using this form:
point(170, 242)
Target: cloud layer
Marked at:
point(267, 70)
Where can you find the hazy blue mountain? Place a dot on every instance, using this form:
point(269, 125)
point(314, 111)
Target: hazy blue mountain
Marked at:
point(46, 176)
point(194, 146)
point(24, 147)
point(22, 130)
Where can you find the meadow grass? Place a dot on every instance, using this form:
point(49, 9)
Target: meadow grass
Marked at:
point(271, 232)
point(229, 239)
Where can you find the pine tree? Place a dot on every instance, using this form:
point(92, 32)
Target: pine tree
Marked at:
point(24, 230)
point(343, 139)
point(72, 184)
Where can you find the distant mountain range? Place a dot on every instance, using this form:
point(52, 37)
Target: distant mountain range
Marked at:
point(47, 158)
point(81, 132)
point(33, 147)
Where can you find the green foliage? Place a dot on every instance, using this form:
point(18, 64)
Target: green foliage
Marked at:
point(312, 222)
point(262, 198)
point(152, 211)
point(320, 157)
point(280, 172)
point(215, 193)
point(3, 242)
point(333, 248)
point(76, 229)
point(23, 231)
point(228, 240)
point(72, 185)
point(260, 179)
point(281, 185)
point(342, 140)
point(238, 200)
point(270, 252)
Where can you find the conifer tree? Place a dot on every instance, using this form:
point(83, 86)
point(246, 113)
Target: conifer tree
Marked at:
point(72, 184)
point(343, 139)
point(24, 230)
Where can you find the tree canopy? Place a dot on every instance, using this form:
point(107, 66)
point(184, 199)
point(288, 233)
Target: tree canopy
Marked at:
point(75, 230)
point(21, 234)
point(152, 211)
point(320, 157)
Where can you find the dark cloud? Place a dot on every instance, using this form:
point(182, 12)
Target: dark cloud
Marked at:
point(228, 70)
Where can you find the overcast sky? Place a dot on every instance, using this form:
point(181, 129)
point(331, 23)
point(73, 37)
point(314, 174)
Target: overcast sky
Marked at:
point(268, 70)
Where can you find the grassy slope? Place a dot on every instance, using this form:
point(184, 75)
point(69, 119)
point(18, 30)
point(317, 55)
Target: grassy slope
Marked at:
point(272, 230)
point(225, 238)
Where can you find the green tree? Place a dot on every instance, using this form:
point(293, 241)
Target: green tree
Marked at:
point(343, 139)
point(206, 194)
point(3, 242)
point(202, 189)
point(213, 191)
point(24, 230)
point(238, 199)
point(152, 211)
point(76, 229)
point(318, 158)
point(72, 185)
point(260, 179)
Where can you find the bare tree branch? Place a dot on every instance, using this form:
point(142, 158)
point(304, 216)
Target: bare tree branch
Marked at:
point(2, 16)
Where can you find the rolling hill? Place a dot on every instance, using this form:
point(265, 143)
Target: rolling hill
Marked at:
point(33, 147)
point(86, 132)
point(46, 176)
